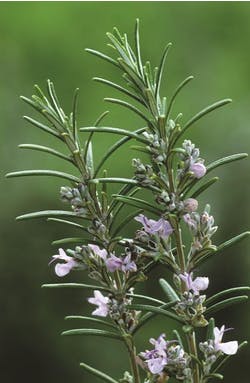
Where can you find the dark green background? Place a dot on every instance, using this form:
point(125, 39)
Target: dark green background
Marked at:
point(46, 40)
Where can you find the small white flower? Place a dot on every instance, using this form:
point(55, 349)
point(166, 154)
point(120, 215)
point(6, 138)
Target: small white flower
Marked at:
point(228, 348)
point(102, 302)
point(62, 269)
point(196, 285)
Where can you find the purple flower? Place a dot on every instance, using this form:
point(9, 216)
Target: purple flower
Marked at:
point(192, 224)
point(196, 285)
point(156, 365)
point(97, 251)
point(160, 227)
point(198, 169)
point(62, 269)
point(228, 348)
point(159, 343)
point(114, 263)
point(102, 303)
point(129, 265)
point(156, 359)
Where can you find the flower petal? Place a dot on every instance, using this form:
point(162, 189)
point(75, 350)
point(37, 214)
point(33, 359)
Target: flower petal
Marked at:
point(62, 269)
point(113, 263)
point(200, 283)
point(156, 365)
point(229, 348)
point(198, 169)
point(96, 249)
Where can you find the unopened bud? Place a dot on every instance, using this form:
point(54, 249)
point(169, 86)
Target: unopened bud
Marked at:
point(190, 205)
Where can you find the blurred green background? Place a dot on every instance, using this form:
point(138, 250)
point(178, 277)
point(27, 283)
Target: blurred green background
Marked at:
point(47, 40)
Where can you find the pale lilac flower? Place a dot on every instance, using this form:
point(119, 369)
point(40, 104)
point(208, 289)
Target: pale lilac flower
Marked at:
point(62, 269)
point(102, 303)
point(198, 169)
point(129, 265)
point(196, 285)
point(156, 365)
point(113, 263)
point(96, 249)
point(160, 227)
point(159, 343)
point(192, 224)
point(228, 348)
point(156, 359)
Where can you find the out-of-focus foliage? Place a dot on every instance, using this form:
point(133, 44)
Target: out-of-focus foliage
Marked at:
point(47, 40)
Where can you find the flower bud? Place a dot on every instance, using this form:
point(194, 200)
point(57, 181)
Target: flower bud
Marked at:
point(198, 169)
point(190, 205)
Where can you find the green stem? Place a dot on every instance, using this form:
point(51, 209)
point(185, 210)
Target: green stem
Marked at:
point(179, 246)
point(177, 229)
point(132, 355)
point(193, 350)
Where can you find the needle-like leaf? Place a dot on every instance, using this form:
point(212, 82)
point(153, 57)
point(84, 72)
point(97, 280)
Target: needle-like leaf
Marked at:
point(204, 187)
point(225, 293)
point(122, 132)
point(157, 310)
point(226, 303)
point(91, 319)
point(175, 94)
point(168, 290)
point(139, 203)
point(43, 127)
point(129, 106)
point(92, 332)
point(47, 213)
point(202, 113)
point(73, 286)
point(160, 70)
point(46, 150)
point(102, 56)
point(70, 223)
point(222, 246)
point(118, 87)
point(114, 147)
point(98, 373)
point(50, 173)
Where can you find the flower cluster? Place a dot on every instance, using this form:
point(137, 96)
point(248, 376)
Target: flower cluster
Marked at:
point(213, 348)
point(112, 262)
point(202, 228)
point(161, 228)
point(174, 204)
point(191, 161)
point(167, 357)
point(77, 197)
point(143, 173)
point(190, 307)
point(157, 148)
point(116, 308)
point(83, 205)
point(154, 239)
point(93, 258)
point(98, 229)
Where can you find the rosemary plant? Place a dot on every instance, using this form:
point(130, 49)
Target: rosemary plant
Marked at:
point(174, 174)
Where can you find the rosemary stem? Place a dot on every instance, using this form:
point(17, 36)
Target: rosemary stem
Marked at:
point(179, 246)
point(193, 350)
point(132, 355)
